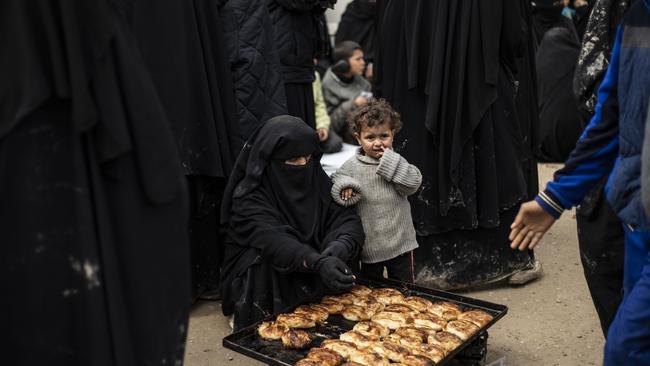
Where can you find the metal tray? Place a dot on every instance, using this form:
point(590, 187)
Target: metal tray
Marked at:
point(247, 342)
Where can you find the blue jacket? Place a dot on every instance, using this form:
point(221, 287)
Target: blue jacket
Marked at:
point(612, 142)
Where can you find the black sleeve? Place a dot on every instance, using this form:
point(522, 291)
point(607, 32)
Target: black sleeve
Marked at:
point(256, 225)
point(344, 225)
point(298, 6)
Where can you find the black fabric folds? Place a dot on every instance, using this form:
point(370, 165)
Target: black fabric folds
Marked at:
point(93, 217)
point(183, 46)
point(456, 77)
point(358, 24)
point(560, 124)
point(278, 217)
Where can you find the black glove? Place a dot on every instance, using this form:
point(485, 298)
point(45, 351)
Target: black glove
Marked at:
point(337, 249)
point(334, 273)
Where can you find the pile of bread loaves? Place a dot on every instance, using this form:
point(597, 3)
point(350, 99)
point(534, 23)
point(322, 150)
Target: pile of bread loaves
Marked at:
point(391, 329)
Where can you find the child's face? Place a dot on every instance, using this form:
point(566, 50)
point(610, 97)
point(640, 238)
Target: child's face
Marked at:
point(374, 140)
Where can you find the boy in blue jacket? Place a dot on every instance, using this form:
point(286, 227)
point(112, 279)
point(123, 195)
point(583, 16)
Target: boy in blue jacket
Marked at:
point(611, 146)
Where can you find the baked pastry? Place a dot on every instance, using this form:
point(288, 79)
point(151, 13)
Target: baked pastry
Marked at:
point(430, 351)
point(416, 303)
point(308, 362)
point(370, 303)
point(430, 321)
point(361, 290)
point(332, 307)
point(352, 363)
point(356, 313)
point(416, 360)
point(368, 358)
point(399, 308)
point(343, 348)
point(314, 312)
point(272, 330)
point(325, 357)
point(296, 339)
point(359, 339)
point(345, 299)
point(387, 295)
point(392, 320)
point(371, 328)
point(463, 329)
point(391, 350)
point(478, 317)
point(295, 321)
point(445, 340)
point(406, 341)
point(446, 310)
point(414, 332)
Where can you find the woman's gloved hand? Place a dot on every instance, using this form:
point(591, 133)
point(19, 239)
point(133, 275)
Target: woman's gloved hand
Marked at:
point(337, 249)
point(335, 275)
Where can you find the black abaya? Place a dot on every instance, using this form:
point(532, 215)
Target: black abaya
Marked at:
point(183, 45)
point(279, 218)
point(300, 102)
point(457, 74)
point(358, 24)
point(93, 215)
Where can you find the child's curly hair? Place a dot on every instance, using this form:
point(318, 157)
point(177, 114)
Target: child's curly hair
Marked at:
point(374, 113)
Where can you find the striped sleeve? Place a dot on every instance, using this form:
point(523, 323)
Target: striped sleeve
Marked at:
point(596, 151)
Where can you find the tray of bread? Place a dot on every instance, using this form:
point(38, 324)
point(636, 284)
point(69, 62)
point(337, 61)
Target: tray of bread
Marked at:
point(379, 322)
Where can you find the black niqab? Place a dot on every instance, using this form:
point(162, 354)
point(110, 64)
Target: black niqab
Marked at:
point(278, 216)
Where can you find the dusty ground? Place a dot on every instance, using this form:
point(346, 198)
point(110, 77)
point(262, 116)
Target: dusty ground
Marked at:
point(549, 322)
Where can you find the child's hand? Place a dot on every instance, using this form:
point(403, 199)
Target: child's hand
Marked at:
point(347, 193)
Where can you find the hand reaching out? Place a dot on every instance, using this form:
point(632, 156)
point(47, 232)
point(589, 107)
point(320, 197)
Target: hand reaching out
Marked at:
point(347, 193)
point(530, 225)
point(322, 134)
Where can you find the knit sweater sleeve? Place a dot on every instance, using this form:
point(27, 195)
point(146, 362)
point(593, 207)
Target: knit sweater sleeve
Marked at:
point(342, 180)
point(395, 169)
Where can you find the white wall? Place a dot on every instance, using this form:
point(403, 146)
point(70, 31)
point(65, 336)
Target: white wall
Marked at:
point(334, 15)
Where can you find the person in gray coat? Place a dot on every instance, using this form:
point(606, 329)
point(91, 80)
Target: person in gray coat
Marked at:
point(344, 87)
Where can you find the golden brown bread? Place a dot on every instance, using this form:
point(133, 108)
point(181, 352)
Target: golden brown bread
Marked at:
point(332, 307)
point(356, 313)
point(430, 321)
point(272, 330)
point(387, 295)
point(295, 321)
point(416, 303)
point(406, 341)
point(445, 340)
point(345, 299)
point(358, 339)
point(325, 356)
point(463, 329)
point(415, 360)
point(446, 310)
point(392, 320)
point(391, 350)
point(308, 362)
point(413, 332)
point(343, 348)
point(370, 303)
point(296, 339)
point(478, 317)
point(431, 351)
point(361, 290)
point(399, 308)
point(352, 363)
point(371, 328)
point(368, 358)
point(314, 312)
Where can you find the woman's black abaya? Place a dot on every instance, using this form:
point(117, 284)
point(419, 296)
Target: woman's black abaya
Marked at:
point(93, 213)
point(453, 79)
point(279, 217)
point(183, 46)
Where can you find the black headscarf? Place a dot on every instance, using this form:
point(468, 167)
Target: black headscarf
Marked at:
point(279, 216)
point(546, 15)
point(296, 193)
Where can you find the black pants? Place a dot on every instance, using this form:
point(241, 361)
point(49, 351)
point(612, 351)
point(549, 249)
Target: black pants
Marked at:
point(602, 248)
point(399, 268)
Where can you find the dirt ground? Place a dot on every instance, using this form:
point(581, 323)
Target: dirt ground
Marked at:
point(550, 322)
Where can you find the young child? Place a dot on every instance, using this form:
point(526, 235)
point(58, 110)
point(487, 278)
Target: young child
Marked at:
point(378, 180)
